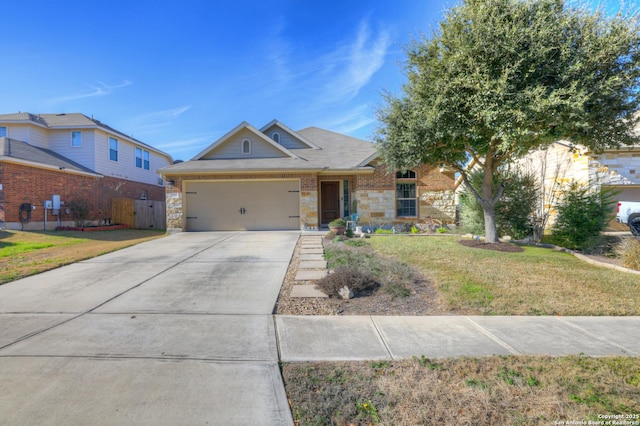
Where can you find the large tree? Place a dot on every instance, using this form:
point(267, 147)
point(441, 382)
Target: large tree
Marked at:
point(500, 78)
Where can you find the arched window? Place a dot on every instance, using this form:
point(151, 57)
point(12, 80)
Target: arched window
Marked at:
point(246, 147)
point(276, 137)
point(406, 194)
point(407, 174)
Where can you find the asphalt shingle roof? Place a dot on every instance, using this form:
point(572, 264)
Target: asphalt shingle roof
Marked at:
point(68, 120)
point(337, 152)
point(23, 151)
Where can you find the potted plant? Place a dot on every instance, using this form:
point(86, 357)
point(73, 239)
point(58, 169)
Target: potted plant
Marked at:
point(338, 226)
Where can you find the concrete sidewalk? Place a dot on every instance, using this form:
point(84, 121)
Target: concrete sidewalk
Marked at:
point(346, 338)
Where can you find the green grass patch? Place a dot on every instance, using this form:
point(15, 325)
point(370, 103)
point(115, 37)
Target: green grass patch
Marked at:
point(11, 249)
point(26, 253)
point(537, 281)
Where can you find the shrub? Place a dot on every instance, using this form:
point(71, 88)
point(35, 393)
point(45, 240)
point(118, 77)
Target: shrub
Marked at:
point(348, 255)
point(357, 243)
point(396, 290)
point(514, 212)
point(338, 222)
point(628, 251)
point(395, 278)
point(383, 231)
point(582, 215)
point(359, 282)
point(79, 211)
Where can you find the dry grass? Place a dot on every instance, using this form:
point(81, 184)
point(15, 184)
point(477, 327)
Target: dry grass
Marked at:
point(536, 281)
point(467, 391)
point(27, 253)
point(628, 250)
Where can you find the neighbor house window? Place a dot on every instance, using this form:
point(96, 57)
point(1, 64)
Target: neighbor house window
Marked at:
point(276, 137)
point(246, 146)
point(3, 131)
point(113, 149)
point(76, 139)
point(142, 159)
point(406, 194)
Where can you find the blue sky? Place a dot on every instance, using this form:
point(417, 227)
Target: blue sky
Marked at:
point(178, 75)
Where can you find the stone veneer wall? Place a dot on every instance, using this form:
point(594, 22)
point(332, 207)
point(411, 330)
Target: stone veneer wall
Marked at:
point(309, 202)
point(376, 206)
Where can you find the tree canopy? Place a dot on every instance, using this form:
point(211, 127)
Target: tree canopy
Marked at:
point(500, 78)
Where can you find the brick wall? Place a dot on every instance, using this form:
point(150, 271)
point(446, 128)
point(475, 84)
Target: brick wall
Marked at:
point(24, 184)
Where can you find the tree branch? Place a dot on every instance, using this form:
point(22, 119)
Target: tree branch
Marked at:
point(473, 155)
point(475, 193)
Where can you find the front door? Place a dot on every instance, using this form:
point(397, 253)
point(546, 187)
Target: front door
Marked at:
point(329, 201)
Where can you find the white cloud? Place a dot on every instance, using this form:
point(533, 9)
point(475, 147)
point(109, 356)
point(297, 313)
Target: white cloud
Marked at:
point(328, 74)
point(101, 89)
point(351, 121)
point(152, 121)
point(185, 149)
point(352, 66)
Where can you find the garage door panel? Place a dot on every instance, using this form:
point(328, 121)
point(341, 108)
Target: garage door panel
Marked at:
point(243, 205)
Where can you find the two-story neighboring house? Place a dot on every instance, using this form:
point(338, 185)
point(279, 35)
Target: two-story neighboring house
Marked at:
point(77, 158)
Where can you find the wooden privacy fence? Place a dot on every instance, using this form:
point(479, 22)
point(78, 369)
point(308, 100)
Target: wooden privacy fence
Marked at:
point(139, 214)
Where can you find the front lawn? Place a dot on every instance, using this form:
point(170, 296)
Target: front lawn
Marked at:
point(496, 390)
point(27, 253)
point(536, 281)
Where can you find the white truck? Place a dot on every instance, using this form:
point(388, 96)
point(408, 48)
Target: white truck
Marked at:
point(629, 213)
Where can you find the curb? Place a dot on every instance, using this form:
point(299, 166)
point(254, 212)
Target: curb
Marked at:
point(580, 256)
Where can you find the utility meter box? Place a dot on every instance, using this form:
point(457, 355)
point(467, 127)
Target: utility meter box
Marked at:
point(55, 200)
point(48, 204)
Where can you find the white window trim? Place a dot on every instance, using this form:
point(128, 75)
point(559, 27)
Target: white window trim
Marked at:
point(143, 154)
point(137, 150)
point(116, 150)
point(413, 180)
point(247, 152)
point(76, 146)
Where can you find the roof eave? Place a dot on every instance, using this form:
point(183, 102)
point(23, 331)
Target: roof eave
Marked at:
point(368, 159)
point(22, 162)
point(320, 171)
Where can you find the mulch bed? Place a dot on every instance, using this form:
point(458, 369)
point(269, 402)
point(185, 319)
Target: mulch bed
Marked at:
point(424, 300)
point(506, 247)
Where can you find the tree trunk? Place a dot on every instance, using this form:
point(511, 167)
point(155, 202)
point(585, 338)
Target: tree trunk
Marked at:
point(490, 227)
point(489, 200)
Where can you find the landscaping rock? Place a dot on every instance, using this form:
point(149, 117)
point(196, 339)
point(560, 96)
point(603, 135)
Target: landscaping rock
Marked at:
point(345, 293)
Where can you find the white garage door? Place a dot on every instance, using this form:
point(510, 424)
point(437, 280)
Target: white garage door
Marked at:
point(243, 205)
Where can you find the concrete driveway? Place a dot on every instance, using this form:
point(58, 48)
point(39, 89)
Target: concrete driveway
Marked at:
point(173, 331)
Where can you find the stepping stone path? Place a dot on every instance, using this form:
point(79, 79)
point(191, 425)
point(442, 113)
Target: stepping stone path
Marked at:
point(311, 267)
